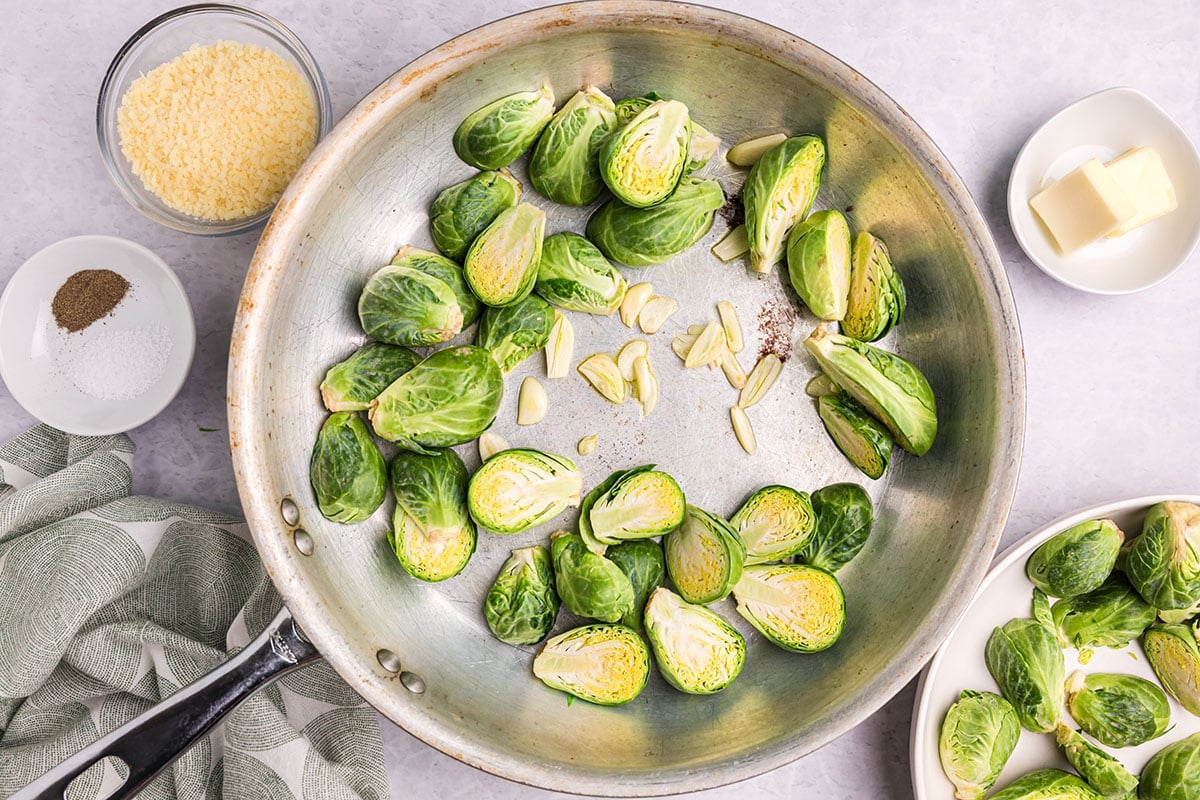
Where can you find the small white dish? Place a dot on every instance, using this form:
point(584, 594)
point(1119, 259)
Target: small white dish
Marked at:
point(36, 356)
point(959, 664)
point(1104, 125)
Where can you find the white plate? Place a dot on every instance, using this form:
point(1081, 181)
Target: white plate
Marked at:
point(1104, 125)
point(1006, 593)
point(35, 353)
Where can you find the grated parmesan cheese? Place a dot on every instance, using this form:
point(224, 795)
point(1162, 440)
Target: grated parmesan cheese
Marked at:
point(220, 130)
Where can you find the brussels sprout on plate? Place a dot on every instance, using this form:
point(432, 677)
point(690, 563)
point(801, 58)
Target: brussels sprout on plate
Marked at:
point(521, 605)
point(1103, 773)
point(1048, 784)
point(575, 275)
point(462, 211)
point(844, 517)
point(516, 489)
point(862, 439)
point(1174, 654)
point(977, 737)
point(1118, 710)
point(603, 664)
point(1163, 563)
point(778, 194)
point(1173, 773)
point(1024, 658)
point(501, 264)
point(433, 536)
point(877, 300)
point(404, 306)
point(589, 584)
point(642, 562)
point(641, 237)
point(798, 607)
point(513, 333)
point(446, 271)
point(347, 470)
point(643, 161)
point(1111, 616)
point(774, 523)
point(818, 261)
point(1077, 560)
point(352, 384)
point(500, 132)
point(637, 503)
point(565, 165)
point(696, 650)
point(704, 556)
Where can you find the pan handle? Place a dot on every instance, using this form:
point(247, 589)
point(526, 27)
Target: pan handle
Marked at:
point(152, 741)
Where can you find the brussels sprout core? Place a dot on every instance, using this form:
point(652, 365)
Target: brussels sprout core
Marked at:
point(704, 556)
point(501, 264)
point(774, 523)
point(603, 664)
point(696, 650)
point(643, 161)
point(779, 192)
point(799, 608)
point(517, 489)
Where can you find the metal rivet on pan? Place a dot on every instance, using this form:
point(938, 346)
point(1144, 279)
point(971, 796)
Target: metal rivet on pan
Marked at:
point(289, 511)
point(304, 543)
point(388, 660)
point(412, 681)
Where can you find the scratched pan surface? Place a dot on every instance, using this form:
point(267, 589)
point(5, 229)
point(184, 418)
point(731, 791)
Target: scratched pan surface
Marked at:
point(366, 191)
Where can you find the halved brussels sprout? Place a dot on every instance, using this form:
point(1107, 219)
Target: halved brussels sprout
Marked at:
point(1025, 660)
point(818, 260)
point(1118, 710)
point(501, 264)
point(521, 605)
point(798, 607)
point(696, 650)
point(433, 535)
point(500, 132)
point(446, 271)
point(1173, 773)
point(565, 165)
point(347, 470)
point(1111, 616)
point(861, 438)
point(704, 143)
point(1163, 564)
point(1174, 654)
point(404, 306)
point(589, 584)
point(1077, 560)
point(1048, 784)
point(643, 161)
point(876, 301)
point(978, 735)
point(517, 489)
point(779, 192)
point(844, 517)
point(575, 275)
point(774, 523)
point(640, 237)
point(889, 387)
point(513, 333)
point(642, 562)
point(352, 384)
point(1103, 773)
point(704, 556)
point(462, 211)
point(449, 398)
point(603, 664)
point(637, 503)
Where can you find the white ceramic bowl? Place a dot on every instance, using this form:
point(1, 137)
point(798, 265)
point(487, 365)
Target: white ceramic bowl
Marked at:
point(1105, 125)
point(35, 354)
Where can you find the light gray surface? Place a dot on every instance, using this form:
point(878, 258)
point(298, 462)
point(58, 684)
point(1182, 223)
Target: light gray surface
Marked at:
point(1112, 381)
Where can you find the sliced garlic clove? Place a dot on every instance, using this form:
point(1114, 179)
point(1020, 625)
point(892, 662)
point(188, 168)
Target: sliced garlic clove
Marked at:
point(747, 153)
point(635, 298)
point(742, 429)
point(682, 344)
point(645, 385)
point(559, 346)
point(760, 380)
point(708, 347)
point(629, 353)
point(531, 402)
point(490, 444)
point(820, 385)
point(655, 313)
point(601, 371)
point(734, 244)
point(587, 445)
point(731, 325)
point(733, 370)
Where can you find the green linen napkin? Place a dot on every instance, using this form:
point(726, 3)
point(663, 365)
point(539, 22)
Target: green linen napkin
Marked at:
point(109, 603)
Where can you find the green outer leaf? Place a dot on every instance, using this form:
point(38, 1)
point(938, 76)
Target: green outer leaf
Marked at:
point(347, 471)
point(432, 489)
point(696, 650)
point(565, 165)
point(642, 562)
point(862, 439)
point(641, 237)
point(501, 264)
point(844, 517)
point(609, 515)
point(574, 274)
point(798, 607)
point(603, 664)
point(1111, 616)
point(1163, 564)
point(446, 271)
point(1041, 610)
point(404, 306)
point(1048, 784)
point(520, 488)
point(1103, 773)
point(778, 193)
point(704, 556)
point(515, 332)
point(1174, 655)
point(590, 585)
point(462, 211)
point(1077, 560)
point(630, 107)
point(877, 299)
point(352, 384)
point(818, 261)
point(500, 132)
point(449, 398)
point(774, 523)
point(1025, 660)
point(643, 161)
point(1173, 773)
point(977, 737)
point(1118, 710)
point(521, 606)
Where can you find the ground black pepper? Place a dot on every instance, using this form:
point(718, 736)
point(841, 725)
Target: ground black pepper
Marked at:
point(87, 296)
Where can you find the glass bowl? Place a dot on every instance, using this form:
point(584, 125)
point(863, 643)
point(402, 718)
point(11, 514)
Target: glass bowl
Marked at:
point(161, 40)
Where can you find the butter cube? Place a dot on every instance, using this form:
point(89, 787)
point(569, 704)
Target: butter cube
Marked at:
point(1083, 206)
point(1141, 175)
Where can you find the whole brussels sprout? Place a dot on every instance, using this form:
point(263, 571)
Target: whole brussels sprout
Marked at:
point(521, 605)
point(1103, 773)
point(1174, 654)
point(1118, 710)
point(1048, 784)
point(513, 333)
point(565, 165)
point(462, 211)
point(704, 556)
point(404, 306)
point(1173, 773)
point(818, 260)
point(696, 650)
point(516, 489)
point(433, 536)
point(446, 271)
point(347, 470)
point(643, 161)
point(1163, 564)
point(575, 275)
point(774, 523)
point(1025, 660)
point(861, 438)
point(798, 607)
point(352, 384)
point(704, 143)
point(589, 584)
point(637, 503)
point(779, 192)
point(843, 522)
point(1077, 560)
point(642, 562)
point(890, 388)
point(501, 264)
point(876, 301)
point(500, 132)
point(603, 664)
point(978, 735)
point(640, 237)
point(449, 398)
point(1111, 616)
